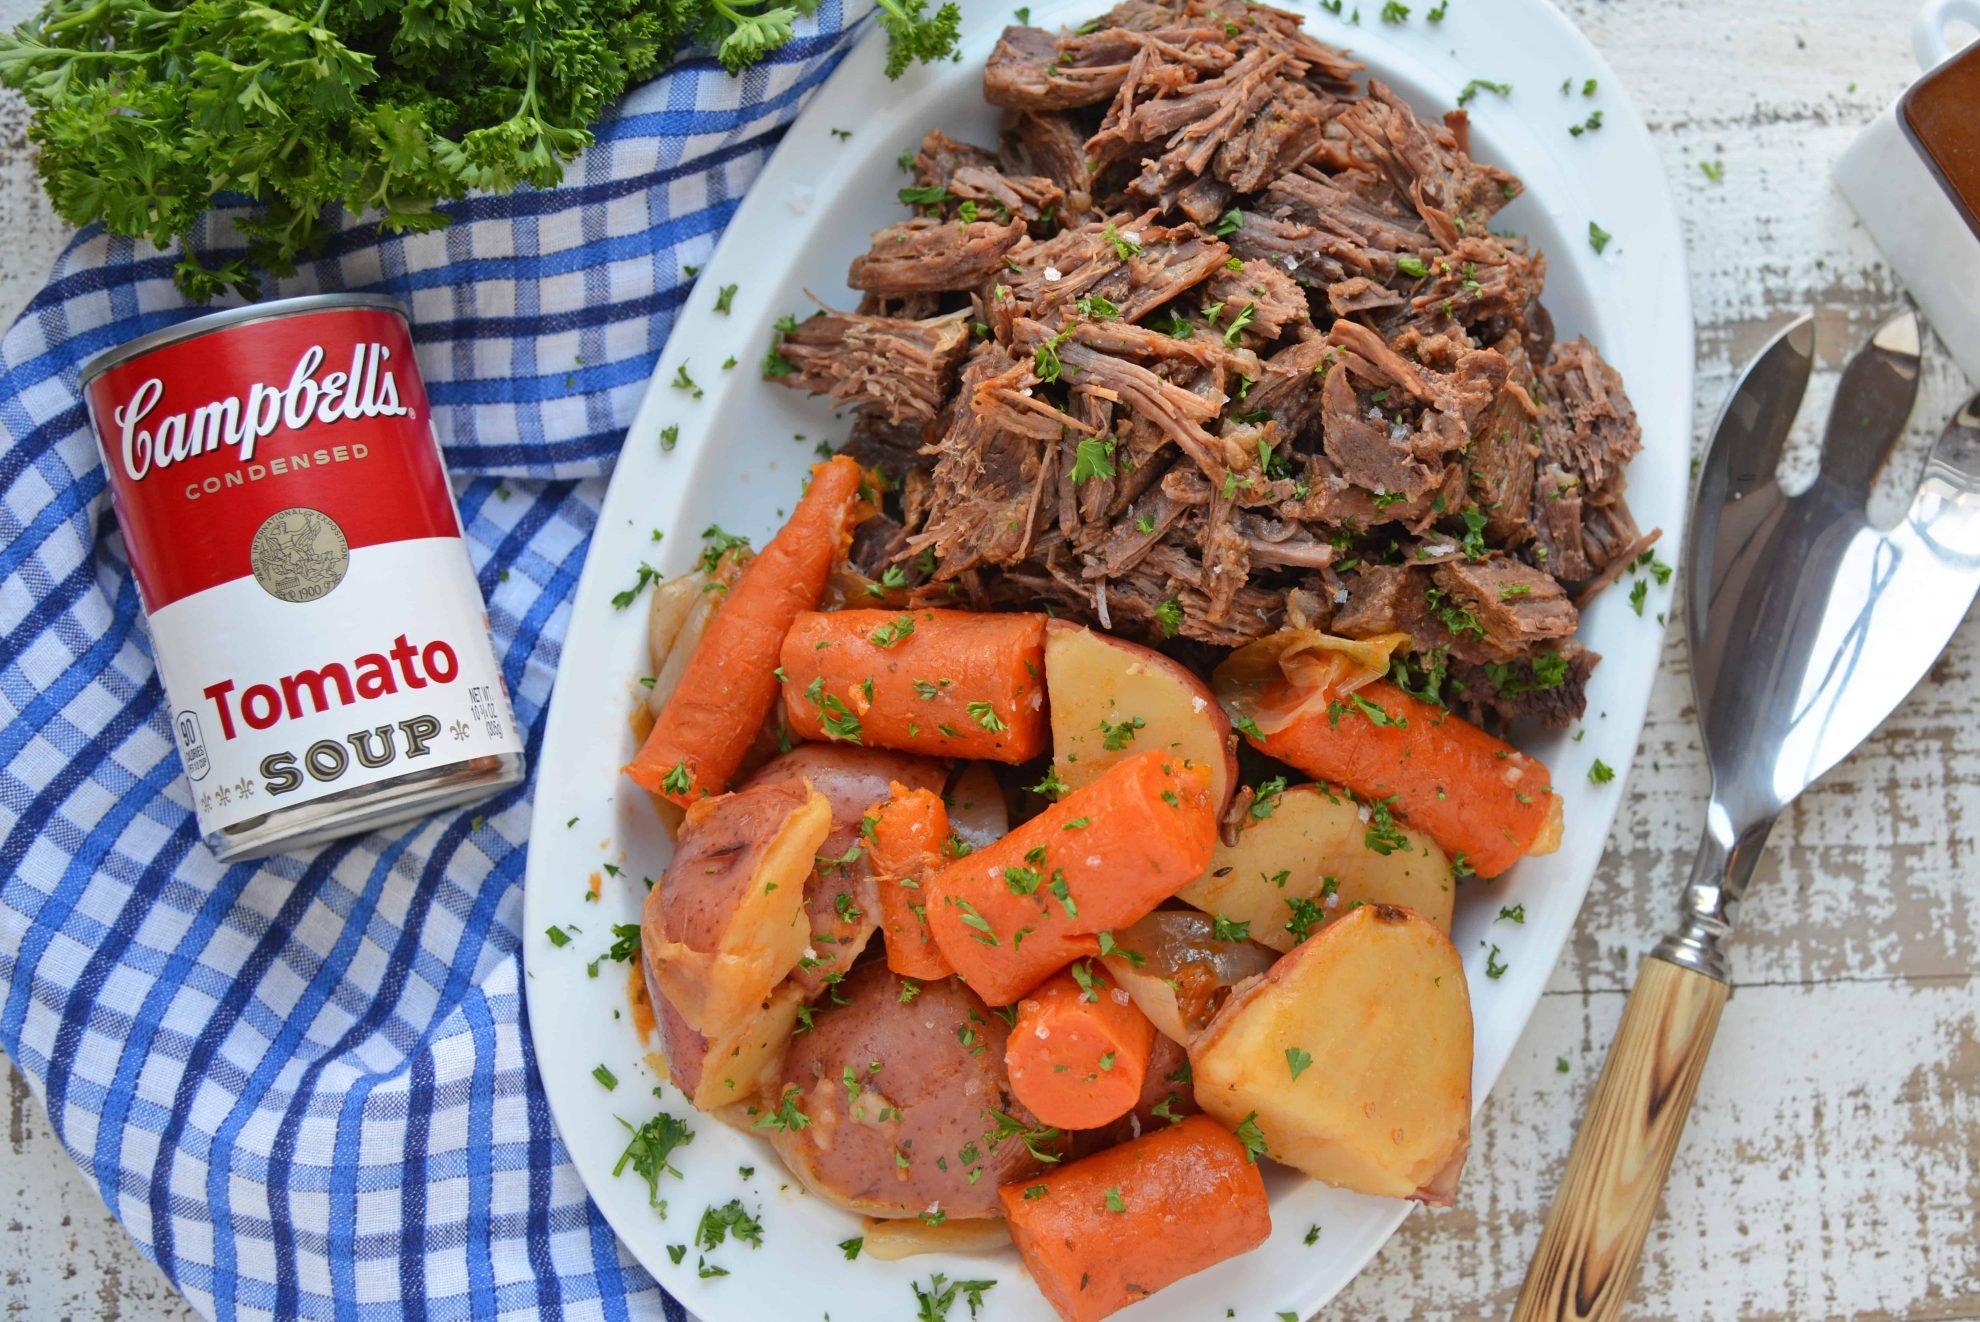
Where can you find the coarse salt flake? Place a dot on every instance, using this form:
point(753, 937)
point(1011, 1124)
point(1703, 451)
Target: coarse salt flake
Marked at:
point(1052, 273)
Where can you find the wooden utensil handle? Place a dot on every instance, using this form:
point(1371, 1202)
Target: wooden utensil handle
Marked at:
point(1587, 1256)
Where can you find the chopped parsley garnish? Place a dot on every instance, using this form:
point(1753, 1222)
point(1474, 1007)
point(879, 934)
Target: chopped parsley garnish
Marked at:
point(985, 715)
point(1169, 617)
point(649, 1149)
point(833, 715)
point(1306, 915)
point(1384, 837)
point(719, 1223)
point(606, 1077)
point(787, 1115)
point(1477, 85)
point(648, 574)
point(971, 918)
point(1239, 322)
point(1115, 1203)
point(725, 298)
point(1495, 969)
point(1297, 1059)
point(1513, 913)
point(1598, 238)
point(1229, 223)
point(1090, 986)
point(1601, 773)
point(1268, 796)
point(719, 544)
point(1412, 266)
point(935, 1301)
point(1252, 1137)
point(892, 632)
point(1093, 458)
point(1227, 929)
point(1119, 735)
point(851, 1247)
point(1124, 247)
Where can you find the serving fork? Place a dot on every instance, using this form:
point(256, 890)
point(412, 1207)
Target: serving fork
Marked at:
point(1808, 625)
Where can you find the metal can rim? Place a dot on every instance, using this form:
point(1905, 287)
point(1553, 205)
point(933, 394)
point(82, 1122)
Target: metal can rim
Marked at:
point(282, 307)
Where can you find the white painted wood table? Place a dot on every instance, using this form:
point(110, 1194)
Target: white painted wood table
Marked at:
point(1832, 1164)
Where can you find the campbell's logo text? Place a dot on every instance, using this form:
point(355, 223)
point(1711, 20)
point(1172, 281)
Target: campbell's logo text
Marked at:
point(150, 438)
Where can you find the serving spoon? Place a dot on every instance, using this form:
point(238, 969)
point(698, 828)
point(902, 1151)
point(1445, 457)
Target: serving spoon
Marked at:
point(1807, 627)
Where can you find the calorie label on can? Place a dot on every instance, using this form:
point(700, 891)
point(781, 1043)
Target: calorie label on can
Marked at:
point(315, 617)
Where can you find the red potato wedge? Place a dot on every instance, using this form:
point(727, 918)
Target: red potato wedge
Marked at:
point(734, 1068)
point(889, 1106)
point(1352, 1056)
point(1112, 699)
point(841, 901)
point(1302, 857)
point(723, 927)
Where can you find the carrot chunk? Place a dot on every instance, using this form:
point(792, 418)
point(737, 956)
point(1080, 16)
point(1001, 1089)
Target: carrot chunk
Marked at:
point(1475, 795)
point(1079, 1052)
point(727, 690)
point(1113, 1228)
point(908, 833)
point(1010, 915)
point(939, 682)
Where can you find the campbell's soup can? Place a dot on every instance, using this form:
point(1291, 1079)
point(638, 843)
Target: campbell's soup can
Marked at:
point(315, 619)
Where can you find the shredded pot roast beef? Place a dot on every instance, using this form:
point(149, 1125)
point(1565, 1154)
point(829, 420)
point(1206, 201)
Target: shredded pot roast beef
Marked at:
point(1213, 328)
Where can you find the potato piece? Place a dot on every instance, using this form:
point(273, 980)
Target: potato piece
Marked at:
point(735, 1068)
point(889, 1106)
point(841, 899)
point(1183, 972)
point(1376, 1093)
point(1100, 687)
point(722, 928)
point(1313, 847)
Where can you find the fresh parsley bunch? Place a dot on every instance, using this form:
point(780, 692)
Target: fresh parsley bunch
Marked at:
point(144, 110)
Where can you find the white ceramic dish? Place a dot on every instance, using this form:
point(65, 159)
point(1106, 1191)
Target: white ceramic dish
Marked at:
point(738, 465)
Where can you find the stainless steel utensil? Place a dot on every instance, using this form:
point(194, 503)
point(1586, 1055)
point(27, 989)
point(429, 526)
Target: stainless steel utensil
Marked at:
point(1807, 627)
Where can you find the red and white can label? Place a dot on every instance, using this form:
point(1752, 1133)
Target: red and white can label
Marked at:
point(313, 611)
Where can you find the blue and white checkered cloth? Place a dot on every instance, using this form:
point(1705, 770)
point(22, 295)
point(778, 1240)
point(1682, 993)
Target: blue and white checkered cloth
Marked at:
point(307, 1085)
